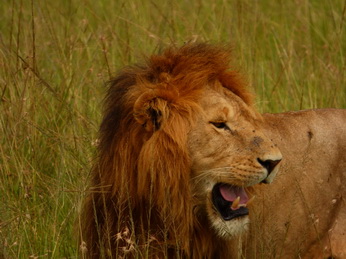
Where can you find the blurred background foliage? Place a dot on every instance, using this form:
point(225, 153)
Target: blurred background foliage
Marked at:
point(56, 56)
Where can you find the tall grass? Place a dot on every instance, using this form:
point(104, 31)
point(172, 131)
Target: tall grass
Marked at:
point(57, 55)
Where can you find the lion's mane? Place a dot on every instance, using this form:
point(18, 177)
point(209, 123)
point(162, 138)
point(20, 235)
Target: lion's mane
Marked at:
point(140, 200)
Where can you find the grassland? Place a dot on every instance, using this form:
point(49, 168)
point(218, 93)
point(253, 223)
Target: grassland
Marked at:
point(55, 57)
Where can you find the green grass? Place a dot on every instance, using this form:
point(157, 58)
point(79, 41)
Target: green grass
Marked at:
point(55, 57)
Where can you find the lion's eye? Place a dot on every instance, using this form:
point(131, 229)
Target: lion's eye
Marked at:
point(220, 125)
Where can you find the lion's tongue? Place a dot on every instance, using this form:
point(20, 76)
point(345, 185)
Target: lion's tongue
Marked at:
point(230, 193)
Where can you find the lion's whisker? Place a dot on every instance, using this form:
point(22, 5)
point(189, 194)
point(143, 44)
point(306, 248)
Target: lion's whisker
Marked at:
point(204, 173)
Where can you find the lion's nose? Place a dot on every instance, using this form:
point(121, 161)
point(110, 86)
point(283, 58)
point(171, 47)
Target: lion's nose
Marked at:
point(269, 164)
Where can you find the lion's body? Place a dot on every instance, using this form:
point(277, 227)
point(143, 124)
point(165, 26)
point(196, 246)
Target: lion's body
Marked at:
point(303, 213)
point(181, 153)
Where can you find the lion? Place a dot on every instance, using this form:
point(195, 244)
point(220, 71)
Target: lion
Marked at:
point(185, 161)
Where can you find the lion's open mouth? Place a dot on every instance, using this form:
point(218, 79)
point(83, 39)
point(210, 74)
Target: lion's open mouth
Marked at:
point(230, 201)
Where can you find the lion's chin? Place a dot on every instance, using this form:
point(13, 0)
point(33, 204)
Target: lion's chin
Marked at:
point(231, 228)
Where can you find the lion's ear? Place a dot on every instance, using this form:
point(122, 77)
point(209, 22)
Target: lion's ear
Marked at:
point(151, 111)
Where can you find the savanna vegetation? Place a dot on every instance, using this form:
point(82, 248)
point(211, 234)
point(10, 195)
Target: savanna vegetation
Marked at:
point(56, 57)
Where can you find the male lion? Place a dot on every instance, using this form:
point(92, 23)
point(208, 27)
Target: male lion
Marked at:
point(183, 153)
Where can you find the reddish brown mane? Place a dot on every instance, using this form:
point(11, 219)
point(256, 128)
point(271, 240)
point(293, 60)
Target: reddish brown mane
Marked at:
point(140, 195)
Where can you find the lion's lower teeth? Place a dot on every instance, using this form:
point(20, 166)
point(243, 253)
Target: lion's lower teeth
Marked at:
point(235, 204)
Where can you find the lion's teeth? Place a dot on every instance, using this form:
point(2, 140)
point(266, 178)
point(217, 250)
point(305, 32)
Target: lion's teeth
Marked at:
point(235, 204)
point(250, 201)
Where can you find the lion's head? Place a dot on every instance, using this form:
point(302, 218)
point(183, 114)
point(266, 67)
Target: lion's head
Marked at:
point(179, 145)
point(228, 153)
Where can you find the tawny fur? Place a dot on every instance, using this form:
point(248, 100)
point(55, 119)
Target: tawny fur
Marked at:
point(144, 200)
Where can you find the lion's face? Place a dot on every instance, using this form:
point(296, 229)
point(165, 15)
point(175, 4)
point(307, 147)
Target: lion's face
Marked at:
point(228, 153)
